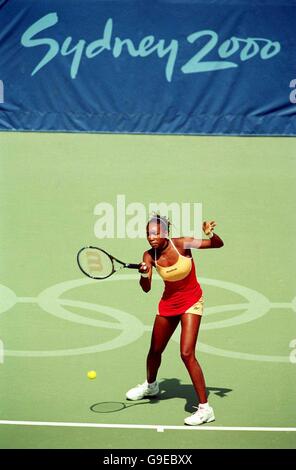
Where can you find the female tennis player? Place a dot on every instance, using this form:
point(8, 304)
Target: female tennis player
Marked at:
point(182, 301)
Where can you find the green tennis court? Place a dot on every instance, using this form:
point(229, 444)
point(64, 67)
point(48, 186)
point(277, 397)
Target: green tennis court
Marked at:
point(56, 325)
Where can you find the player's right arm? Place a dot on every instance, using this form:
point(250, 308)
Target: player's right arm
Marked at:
point(146, 272)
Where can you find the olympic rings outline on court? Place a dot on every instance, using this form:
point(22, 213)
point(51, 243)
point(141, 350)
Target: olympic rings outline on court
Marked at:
point(132, 329)
point(257, 307)
point(53, 305)
point(7, 299)
point(293, 304)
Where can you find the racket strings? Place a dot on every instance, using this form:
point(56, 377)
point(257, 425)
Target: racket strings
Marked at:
point(95, 263)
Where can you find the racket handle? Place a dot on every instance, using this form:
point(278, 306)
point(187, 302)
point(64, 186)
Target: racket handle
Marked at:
point(132, 266)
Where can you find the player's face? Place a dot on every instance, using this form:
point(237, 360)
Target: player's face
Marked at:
point(156, 235)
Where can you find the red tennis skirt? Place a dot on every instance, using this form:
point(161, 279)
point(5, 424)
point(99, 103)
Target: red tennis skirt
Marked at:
point(179, 296)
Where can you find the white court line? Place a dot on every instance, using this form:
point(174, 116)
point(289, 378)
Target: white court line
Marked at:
point(157, 427)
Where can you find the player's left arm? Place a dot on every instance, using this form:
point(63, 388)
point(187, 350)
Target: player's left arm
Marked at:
point(213, 242)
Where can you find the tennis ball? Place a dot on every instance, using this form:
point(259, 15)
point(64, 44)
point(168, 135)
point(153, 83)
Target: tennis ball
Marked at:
point(91, 374)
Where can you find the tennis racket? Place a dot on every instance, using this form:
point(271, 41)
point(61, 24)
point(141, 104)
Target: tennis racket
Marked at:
point(98, 264)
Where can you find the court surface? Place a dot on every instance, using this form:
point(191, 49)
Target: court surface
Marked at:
point(55, 324)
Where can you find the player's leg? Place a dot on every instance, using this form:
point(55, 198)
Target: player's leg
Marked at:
point(189, 330)
point(163, 329)
point(190, 324)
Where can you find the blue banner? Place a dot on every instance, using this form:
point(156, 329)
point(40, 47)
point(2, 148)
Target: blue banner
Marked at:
point(142, 66)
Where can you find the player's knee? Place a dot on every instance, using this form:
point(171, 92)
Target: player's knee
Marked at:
point(187, 355)
point(155, 351)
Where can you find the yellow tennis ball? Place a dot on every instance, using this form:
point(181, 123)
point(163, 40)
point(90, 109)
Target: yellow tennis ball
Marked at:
point(91, 374)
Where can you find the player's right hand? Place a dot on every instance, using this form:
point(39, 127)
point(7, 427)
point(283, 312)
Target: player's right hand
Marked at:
point(143, 268)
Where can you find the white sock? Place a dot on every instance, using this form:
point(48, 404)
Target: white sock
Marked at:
point(151, 385)
point(204, 405)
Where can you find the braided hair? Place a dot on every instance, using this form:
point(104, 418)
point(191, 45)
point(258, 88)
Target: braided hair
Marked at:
point(161, 220)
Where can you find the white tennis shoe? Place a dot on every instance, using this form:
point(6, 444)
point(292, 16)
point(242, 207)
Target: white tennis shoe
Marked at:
point(142, 390)
point(202, 415)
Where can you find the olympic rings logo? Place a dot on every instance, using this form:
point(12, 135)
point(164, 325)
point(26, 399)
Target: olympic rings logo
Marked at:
point(131, 328)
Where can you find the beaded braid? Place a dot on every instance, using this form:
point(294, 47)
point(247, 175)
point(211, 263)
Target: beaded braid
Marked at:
point(161, 219)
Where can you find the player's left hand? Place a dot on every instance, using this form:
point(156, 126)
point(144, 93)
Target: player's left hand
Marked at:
point(208, 227)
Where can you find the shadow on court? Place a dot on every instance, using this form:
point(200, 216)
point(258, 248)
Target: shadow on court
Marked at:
point(172, 388)
point(169, 389)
